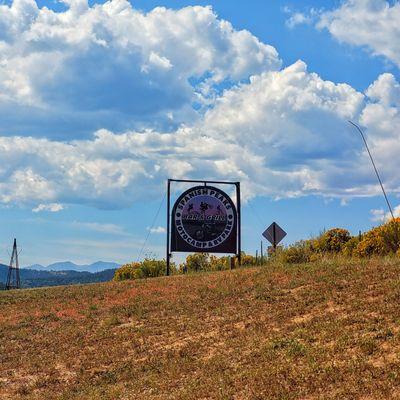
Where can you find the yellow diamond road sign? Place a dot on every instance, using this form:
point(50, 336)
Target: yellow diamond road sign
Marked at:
point(274, 234)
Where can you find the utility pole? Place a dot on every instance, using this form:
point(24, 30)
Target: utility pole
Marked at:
point(374, 166)
point(13, 280)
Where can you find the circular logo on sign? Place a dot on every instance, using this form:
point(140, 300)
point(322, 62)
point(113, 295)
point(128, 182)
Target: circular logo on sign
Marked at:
point(204, 217)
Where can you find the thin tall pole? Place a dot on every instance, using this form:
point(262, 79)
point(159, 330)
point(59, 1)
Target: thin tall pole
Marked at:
point(239, 223)
point(373, 164)
point(168, 224)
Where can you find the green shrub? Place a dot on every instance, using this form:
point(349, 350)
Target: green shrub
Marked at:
point(205, 262)
point(248, 259)
point(350, 248)
point(380, 241)
point(333, 241)
point(197, 262)
point(298, 253)
point(219, 263)
point(151, 268)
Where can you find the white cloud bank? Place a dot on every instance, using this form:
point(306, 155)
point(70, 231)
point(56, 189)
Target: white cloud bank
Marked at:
point(284, 134)
point(52, 207)
point(374, 24)
point(281, 132)
point(379, 215)
point(111, 66)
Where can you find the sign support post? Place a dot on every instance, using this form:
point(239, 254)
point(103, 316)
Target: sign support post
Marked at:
point(239, 223)
point(168, 225)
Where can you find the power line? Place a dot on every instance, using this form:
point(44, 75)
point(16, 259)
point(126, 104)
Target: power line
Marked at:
point(373, 164)
point(255, 215)
point(152, 226)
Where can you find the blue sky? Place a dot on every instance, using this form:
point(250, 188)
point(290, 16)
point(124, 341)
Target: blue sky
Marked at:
point(267, 20)
point(101, 103)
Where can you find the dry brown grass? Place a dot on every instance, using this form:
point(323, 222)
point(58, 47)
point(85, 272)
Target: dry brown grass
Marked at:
point(323, 331)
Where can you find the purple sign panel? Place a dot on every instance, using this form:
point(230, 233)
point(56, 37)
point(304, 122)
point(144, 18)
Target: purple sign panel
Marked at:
point(204, 219)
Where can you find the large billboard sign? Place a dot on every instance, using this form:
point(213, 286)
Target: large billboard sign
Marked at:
point(204, 219)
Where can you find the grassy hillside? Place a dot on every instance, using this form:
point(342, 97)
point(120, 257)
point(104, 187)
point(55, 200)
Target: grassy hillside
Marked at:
point(322, 331)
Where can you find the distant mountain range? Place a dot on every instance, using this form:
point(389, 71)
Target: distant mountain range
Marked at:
point(70, 266)
point(64, 273)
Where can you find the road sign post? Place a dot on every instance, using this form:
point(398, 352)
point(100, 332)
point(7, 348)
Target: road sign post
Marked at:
point(274, 234)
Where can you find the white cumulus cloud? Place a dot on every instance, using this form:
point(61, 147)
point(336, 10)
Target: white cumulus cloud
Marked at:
point(299, 18)
point(281, 132)
point(373, 24)
point(112, 66)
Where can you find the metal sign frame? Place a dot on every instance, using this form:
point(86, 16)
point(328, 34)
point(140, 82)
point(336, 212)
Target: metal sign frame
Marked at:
point(205, 182)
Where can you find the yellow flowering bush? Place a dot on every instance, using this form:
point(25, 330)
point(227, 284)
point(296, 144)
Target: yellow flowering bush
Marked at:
point(380, 241)
point(333, 241)
point(371, 244)
point(127, 271)
point(148, 268)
